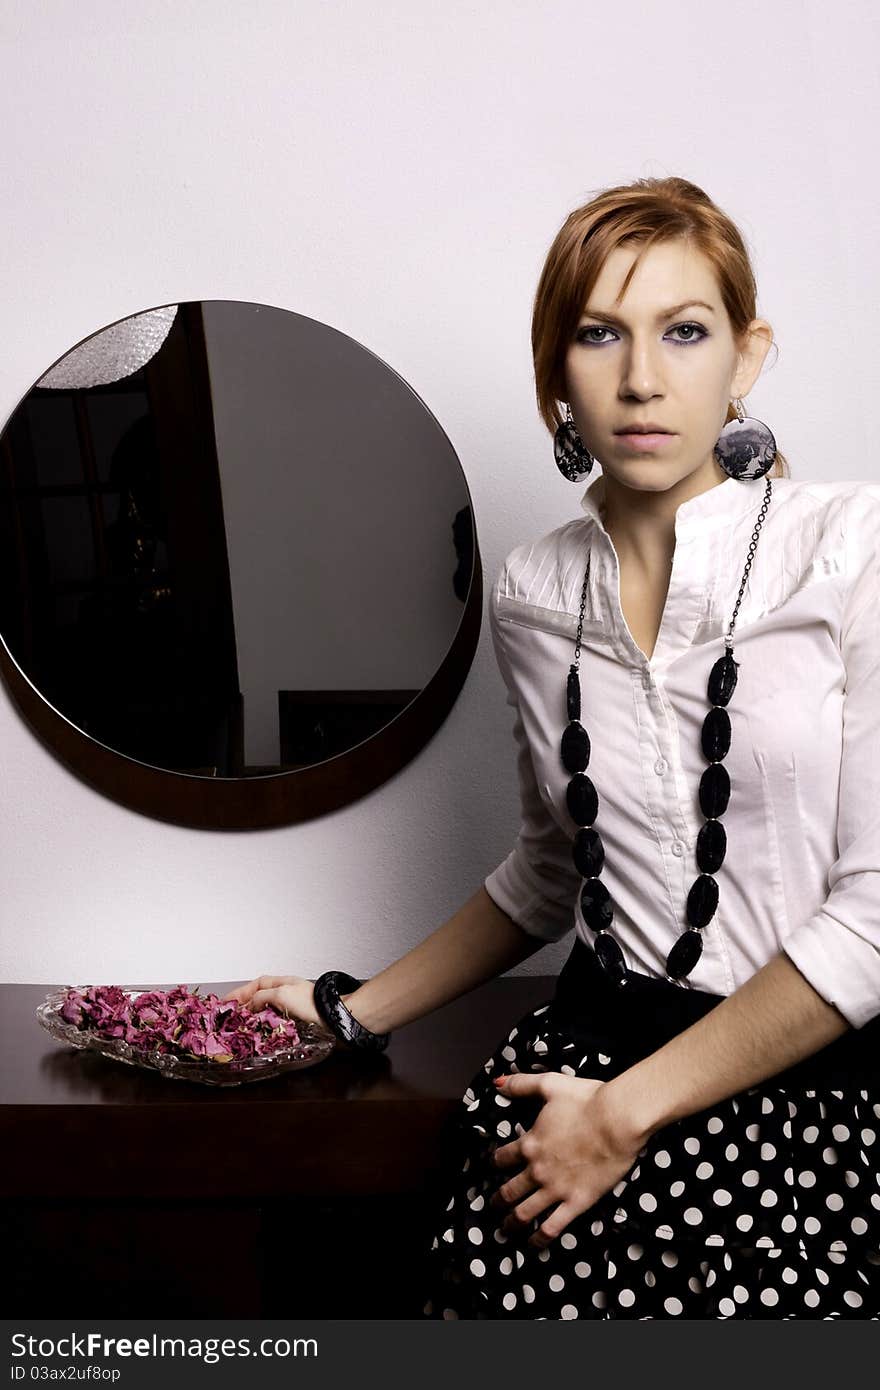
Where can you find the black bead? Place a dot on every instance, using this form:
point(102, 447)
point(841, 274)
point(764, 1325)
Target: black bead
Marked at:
point(582, 800)
point(573, 694)
point(596, 905)
point(588, 853)
point(722, 680)
point(715, 736)
point(714, 790)
point(711, 846)
point(610, 957)
point(702, 900)
point(684, 954)
point(575, 747)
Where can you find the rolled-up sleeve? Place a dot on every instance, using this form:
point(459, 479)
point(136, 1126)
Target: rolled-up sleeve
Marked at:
point(838, 948)
point(537, 883)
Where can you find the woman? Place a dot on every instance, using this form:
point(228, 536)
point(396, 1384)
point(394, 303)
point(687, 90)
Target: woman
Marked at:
point(688, 1127)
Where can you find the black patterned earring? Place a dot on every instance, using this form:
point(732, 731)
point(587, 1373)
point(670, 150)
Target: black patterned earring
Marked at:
point(573, 458)
point(745, 448)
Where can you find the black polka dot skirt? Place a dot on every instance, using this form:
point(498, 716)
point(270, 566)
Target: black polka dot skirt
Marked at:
point(764, 1205)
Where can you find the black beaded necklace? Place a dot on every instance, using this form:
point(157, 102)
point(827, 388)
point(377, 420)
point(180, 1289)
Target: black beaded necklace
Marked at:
point(588, 851)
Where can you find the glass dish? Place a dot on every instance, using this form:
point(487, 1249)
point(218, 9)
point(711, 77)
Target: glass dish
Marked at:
point(315, 1044)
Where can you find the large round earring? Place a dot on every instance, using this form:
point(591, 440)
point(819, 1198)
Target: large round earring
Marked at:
point(745, 448)
point(573, 458)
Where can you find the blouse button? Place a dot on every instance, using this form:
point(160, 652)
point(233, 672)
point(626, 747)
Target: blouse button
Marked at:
point(660, 766)
point(677, 848)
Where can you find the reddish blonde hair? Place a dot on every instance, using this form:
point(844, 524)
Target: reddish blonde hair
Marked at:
point(643, 212)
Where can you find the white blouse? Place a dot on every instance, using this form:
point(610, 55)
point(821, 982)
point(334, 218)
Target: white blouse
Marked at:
point(802, 868)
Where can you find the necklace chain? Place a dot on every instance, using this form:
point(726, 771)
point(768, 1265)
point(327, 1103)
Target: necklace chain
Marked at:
point(715, 785)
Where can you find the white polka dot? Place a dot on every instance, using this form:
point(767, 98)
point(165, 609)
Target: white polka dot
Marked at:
point(789, 1275)
point(768, 1198)
point(753, 1132)
point(693, 1216)
point(478, 1268)
point(714, 1125)
point(868, 1136)
point(786, 1129)
point(851, 1179)
point(740, 1293)
point(475, 1235)
point(810, 1134)
point(811, 1298)
point(540, 1045)
point(721, 1197)
point(599, 1299)
point(662, 1159)
point(556, 1282)
point(544, 1255)
point(567, 1240)
point(726, 1307)
point(694, 1284)
point(568, 1311)
point(612, 1269)
point(506, 1265)
point(669, 1258)
point(766, 1105)
point(751, 1177)
point(807, 1178)
point(582, 1269)
point(692, 1145)
point(731, 1152)
point(449, 1235)
point(812, 1226)
point(840, 1132)
point(502, 1129)
point(648, 1202)
point(449, 1314)
point(852, 1298)
point(769, 1296)
point(788, 1175)
point(834, 1201)
point(858, 1226)
point(673, 1306)
point(478, 1203)
point(597, 1228)
point(823, 1276)
point(509, 1299)
point(528, 1293)
point(626, 1298)
point(768, 1151)
point(788, 1223)
point(509, 1054)
point(705, 1170)
point(745, 1222)
point(829, 1155)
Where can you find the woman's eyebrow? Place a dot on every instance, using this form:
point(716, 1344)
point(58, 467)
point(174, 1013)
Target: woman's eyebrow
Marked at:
point(663, 314)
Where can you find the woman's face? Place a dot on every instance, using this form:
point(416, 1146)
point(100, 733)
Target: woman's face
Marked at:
point(637, 363)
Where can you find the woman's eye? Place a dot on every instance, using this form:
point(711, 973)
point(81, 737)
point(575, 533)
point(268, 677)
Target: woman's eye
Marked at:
point(691, 329)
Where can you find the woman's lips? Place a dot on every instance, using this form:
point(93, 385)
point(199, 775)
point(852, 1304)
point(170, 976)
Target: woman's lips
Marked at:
point(642, 443)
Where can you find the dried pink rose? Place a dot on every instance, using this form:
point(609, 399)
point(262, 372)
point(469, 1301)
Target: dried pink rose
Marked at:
point(179, 1022)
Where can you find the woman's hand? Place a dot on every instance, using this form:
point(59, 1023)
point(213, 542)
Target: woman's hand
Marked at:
point(291, 995)
point(573, 1153)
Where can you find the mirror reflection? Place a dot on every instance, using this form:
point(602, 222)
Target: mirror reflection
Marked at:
point(234, 542)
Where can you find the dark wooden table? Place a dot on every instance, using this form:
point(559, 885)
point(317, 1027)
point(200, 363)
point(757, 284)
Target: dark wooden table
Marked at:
point(308, 1195)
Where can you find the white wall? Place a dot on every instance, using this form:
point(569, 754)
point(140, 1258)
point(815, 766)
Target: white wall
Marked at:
point(397, 170)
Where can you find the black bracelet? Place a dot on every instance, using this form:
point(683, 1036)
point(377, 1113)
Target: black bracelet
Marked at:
point(337, 1017)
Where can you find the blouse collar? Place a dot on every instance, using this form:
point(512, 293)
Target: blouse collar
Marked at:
point(719, 505)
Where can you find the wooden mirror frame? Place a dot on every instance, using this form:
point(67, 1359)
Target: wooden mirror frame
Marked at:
point(258, 803)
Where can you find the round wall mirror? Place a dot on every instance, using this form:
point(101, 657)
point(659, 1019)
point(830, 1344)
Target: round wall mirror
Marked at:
point(240, 583)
